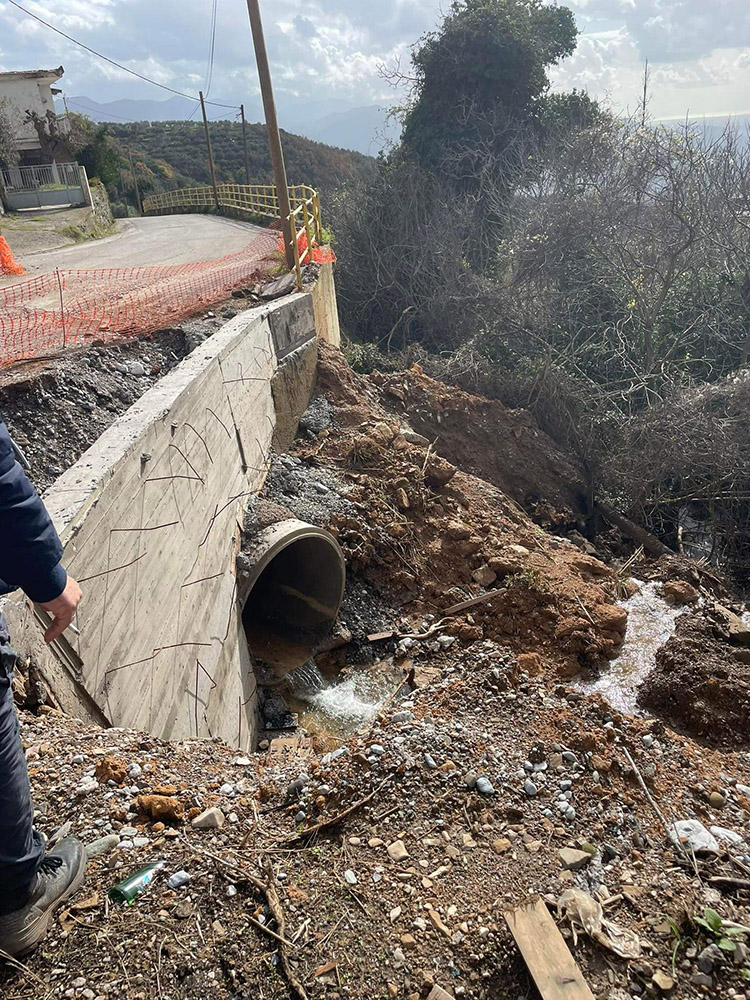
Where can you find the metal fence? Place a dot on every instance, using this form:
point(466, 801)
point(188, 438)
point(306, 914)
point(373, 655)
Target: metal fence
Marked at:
point(45, 186)
point(41, 177)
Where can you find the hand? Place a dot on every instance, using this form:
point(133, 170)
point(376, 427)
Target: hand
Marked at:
point(62, 609)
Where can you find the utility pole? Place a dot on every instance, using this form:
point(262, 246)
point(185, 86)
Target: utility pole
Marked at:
point(244, 144)
point(138, 202)
point(272, 124)
point(210, 152)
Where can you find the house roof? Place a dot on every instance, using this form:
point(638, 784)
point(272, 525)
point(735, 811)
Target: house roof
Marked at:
point(33, 74)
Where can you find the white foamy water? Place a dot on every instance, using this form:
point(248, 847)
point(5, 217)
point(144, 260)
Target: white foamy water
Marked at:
point(651, 623)
point(350, 701)
point(343, 706)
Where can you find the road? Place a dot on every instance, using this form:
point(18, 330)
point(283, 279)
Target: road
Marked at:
point(161, 239)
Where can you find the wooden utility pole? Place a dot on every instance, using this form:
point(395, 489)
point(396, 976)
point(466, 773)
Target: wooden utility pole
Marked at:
point(138, 202)
point(210, 152)
point(272, 124)
point(244, 144)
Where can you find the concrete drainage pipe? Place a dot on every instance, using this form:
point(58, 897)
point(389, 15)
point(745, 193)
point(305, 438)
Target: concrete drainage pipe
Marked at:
point(292, 583)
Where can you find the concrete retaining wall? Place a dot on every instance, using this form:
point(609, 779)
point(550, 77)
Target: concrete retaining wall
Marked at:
point(150, 519)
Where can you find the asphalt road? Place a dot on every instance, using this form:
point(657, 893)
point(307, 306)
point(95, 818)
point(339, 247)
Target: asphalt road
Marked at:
point(161, 239)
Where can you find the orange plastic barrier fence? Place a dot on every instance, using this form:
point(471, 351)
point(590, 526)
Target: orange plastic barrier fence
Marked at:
point(45, 314)
point(8, 264)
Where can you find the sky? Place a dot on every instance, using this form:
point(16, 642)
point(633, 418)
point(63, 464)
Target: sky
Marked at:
point(332, 51)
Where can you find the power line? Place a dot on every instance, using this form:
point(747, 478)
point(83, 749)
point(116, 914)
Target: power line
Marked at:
point(211, 50)
point(112, 62)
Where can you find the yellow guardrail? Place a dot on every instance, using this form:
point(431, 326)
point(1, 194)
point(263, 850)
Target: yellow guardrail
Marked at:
point(253, 200)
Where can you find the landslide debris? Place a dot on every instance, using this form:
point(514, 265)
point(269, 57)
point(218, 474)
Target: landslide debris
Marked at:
point(701, 681)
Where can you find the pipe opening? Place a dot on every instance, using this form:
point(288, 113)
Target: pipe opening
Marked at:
point(296, 588)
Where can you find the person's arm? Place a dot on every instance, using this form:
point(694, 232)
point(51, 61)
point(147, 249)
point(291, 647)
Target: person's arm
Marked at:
point(30, 550)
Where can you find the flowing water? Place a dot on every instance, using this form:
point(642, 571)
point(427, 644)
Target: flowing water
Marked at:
point(651, 623)
point(341, 706)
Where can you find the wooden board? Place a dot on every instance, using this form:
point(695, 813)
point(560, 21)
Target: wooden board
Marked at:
point(547, 957)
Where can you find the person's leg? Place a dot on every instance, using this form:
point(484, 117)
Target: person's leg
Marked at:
point(32, 885)
point(21, 848)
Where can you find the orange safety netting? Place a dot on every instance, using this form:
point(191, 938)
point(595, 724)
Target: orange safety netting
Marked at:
point(319, 255)
point(8, 264)
point(63, 308)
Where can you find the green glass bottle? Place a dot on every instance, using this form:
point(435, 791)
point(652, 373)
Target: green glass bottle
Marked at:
point(131, 887)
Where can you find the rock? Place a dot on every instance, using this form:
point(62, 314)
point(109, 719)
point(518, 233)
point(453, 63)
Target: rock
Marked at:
point(408, 941)
point(438, 472)
point(679, 592)
point(101, 846)
point(694, 835)
point(710, 957)
point(701, 979)
point(530, 788)
point(716, 800)
point(662, 981)
point(227, 788)
point(485, 786)
point(179, 879)
point(733, 627)
point(86, 786)
point(743, 790)
point(721, 833)
point(501, 845)
point(397, 717)
point(484, 576)
point(284, 285)
point(209, 819)
point(647, 741)
point(413, 438)
point(61, 832)
point(397, 851)
point(573, 860)
point(429, 762)
point(136, 368)
point(350, 877)
point(457, 531)
point(109, 769)
point(161, 808)
point(532, 664)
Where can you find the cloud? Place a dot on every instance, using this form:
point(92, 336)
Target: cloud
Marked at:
point(331, 50)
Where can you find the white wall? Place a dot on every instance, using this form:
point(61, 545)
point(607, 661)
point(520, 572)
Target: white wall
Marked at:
point(24, 95)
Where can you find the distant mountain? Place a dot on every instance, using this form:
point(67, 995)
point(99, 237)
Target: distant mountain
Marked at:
point(328, 120)
point(713, 126)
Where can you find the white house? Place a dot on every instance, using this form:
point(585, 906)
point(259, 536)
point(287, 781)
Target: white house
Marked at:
point(29, 90)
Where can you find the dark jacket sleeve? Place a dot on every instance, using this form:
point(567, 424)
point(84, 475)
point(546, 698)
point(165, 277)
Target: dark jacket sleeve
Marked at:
point(30, 550)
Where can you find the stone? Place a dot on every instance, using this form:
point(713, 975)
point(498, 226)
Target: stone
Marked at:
point(710, 957)
point(572, 859)
point(721, 833)
point(501, 845)
point(102, 846)
point(485, 786)
point(484, 576)
point(662, 981)
point(161, 808)
point(408, 941)
point(136, 368)
point(350, 876)
point(179, 879)
point(397, 851)
point(530, 788)
point(209, 819)
point(531, 664)
point(679, 592)
point(227, 788)
point(694, 835)
point(403, 716)
point(716, 800)
point(429, 762)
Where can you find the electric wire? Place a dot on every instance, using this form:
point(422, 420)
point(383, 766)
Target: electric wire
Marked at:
point(113, 62)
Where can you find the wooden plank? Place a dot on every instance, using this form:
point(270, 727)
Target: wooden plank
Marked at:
point(456, 608)
point(547, 957)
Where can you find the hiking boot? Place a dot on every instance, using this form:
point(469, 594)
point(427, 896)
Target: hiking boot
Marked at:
point(58, 876)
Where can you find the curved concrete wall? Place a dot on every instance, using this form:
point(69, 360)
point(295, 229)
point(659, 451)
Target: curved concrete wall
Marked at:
point(150, 518)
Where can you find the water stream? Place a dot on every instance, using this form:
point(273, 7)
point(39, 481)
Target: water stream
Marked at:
point(651, 623)
point(341, 706)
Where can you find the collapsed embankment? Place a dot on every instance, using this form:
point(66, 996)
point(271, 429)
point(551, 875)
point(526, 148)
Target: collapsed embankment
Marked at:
point(379, 863)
